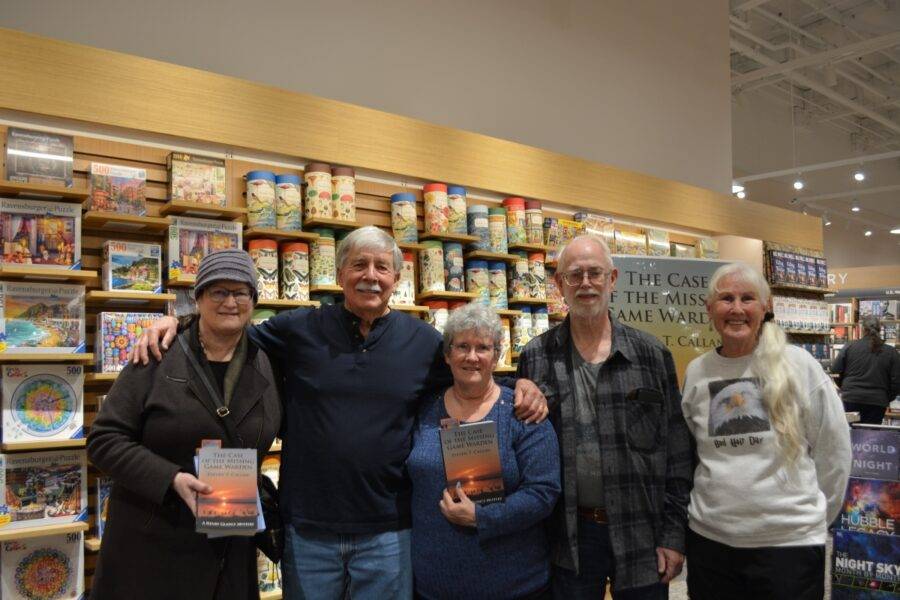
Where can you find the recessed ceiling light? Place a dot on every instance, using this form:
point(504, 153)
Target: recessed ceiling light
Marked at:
point(896, 230)
point(855, 207)
point(798, 184)
point(859, 176)
point(825, 220)
point(736, 188)
point(868, 233)
point(742, 194)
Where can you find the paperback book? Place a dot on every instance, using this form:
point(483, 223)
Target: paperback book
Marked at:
point(38, 233)
point(43, 488)
point(43, 318)
point(104, 487)
point(117, 332)
point(132, 266)
point(49, 567)
point(870, 506)
point(472, 461)
point(42, 403)
point(866, 562)
point(39, 157)
point(231, 509)
point(195, 178)
point(191, 239)
point(118, 189)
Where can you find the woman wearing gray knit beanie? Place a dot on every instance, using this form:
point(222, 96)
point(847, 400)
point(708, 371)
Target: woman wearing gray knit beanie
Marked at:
point(214, 384)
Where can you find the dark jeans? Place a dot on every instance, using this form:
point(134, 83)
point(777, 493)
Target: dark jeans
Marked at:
point(719, 572)
point(868, 413)
point(596, 565)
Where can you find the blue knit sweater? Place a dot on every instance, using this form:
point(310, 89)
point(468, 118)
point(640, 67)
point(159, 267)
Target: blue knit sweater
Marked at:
point(505, 555)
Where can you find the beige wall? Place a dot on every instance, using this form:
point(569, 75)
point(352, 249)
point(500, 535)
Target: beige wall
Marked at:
point(630, 83)
point(855, 278)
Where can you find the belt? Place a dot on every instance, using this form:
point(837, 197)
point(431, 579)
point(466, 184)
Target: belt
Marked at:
point(597, 515)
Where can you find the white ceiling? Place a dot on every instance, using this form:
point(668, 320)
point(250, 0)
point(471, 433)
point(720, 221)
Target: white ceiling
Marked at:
point(816, 82)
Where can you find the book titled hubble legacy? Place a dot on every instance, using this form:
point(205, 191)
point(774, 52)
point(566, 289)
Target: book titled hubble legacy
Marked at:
point(870, 506)
point(472, 460)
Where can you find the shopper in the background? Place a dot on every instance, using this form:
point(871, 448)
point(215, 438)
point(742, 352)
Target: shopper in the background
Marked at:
point(868, 373)
point(773, 450)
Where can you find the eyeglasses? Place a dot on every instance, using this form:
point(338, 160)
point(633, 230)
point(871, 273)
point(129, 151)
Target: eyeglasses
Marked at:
point(480, 349)
point(219, 295)
point(594, 276)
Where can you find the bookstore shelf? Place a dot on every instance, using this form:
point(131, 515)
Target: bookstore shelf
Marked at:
point(33, 532)
point(110, 298)
point(799, 288)
point(505, 312)
point(278, 234)
point(286, 303)
point(326, 289)
point(529, 301)
point(109, 221)
point(82, 357)
point(92, 544)
point(485, 255)
point(72, 194)
point(411, 246)
point(331, 223)
point(276, 595)
point(409, 308)
point(804, 332)
point(182, 281)
point(46, 273)
point(558, 316)
point(43, 445)
point(209, 211)
point(529, 247)
point(447, 296)
point(100, 377)
point(505, 369)
point(450, 237)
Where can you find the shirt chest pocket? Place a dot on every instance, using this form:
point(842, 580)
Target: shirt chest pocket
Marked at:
point(644, 417)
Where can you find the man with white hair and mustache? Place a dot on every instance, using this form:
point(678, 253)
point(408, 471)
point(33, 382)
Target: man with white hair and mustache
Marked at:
point(354, 374)
point(625, 448)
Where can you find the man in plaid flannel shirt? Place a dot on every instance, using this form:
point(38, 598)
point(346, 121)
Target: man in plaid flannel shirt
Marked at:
point(625, 448)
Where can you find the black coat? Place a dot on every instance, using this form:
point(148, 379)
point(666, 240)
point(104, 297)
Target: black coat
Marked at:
point(147, 431)
point(868, 377)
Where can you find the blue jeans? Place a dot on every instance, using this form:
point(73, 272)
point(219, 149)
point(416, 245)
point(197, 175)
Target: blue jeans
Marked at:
point(596, 565)
point(322, 565)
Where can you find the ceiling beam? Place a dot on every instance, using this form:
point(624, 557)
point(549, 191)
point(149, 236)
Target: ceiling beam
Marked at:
point(863, 192)
point(856, 160)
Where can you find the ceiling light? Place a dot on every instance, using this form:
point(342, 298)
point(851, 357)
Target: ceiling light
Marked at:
point(736, 188)
point(742, 194)
point(826, 221)
point(805, 210)
point(896, 230)
point(855, 207)
point(859, 175)
point(868, 233)
point(798, 184)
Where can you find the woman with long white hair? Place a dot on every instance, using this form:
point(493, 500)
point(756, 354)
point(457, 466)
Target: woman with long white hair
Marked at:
point(773, 450)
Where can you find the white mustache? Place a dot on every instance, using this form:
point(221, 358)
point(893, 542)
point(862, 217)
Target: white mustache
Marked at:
point(369, 288)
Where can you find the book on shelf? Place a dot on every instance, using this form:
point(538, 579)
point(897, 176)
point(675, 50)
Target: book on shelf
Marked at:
point(39, 157)
point(43, 488)
point(883, 309)
point(864, 509)
point(116, 334)
point(268, 574)
point(875, 454)
point(681, 250)
point(841, 312)
point(132, 267)
point(43, 318)
point(42, 403)
point(118, 189)
point(631, 243)
point(40, 234)
point(232, 507)
point(598, 225)
point(194, 178)
point(472, 460)
point(191, 239)
point(865, 565)
point(104, 488)
point(707, 248)
point(44, 567)
point(657, 242)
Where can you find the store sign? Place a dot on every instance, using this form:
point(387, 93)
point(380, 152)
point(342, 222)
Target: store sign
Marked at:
point(666, 297)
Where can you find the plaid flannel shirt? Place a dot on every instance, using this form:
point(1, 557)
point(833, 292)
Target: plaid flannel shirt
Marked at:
point(646, 450)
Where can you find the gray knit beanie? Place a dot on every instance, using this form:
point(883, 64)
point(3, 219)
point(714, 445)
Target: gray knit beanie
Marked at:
point(226, 265)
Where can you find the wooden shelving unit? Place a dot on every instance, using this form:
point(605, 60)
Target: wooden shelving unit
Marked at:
point(326, 289)
point(799, 288)
point(92, 544)
point(79, 357)
point(286, 303)
point(109, 221)
point(204, 211)
point(104, 298)
point(276, 595)
point(506, 312)
point(182, 281)
point(100, 377)
point(485, 255)
point(331, 223)
point(278, 234)
point(505, 369)
point(72, 194)
point(47, 445)
point(529, 247)
point(33, 532)
point(409, 308)
point(450, 237)
point(31, 273)
point(410, 246)
point(804, 332)
point(446, 296)
point(558, 316)
point(529, 301)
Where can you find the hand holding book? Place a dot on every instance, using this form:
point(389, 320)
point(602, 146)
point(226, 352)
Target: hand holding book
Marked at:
point(461, 512)
point(187, 487)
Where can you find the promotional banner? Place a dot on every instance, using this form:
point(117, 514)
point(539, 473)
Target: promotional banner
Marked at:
point(666, 297)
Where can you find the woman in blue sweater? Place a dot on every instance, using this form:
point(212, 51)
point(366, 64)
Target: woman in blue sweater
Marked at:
point(461, 549)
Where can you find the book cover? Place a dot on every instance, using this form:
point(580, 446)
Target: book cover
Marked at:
point(472, 460)
point(116, 188)
point(117, 332)
point(41, 317)
point(657, 242)
point(132, 266)
point(866, 562)
point(43, 488)
point(870, 506)
point(42, 402)
point(195, 178)
point(875, 454)
point(39, 157)
point(43, 568)
point(104, 487)
point(38, 233)
point(191, 239)
point(631, 243)
point(231, 508)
